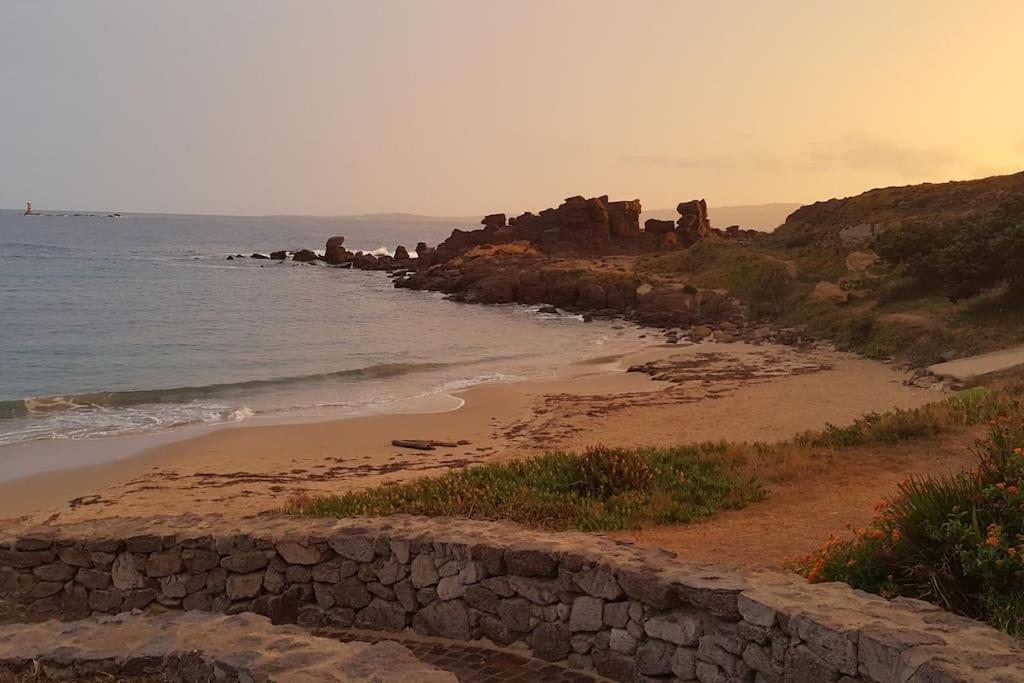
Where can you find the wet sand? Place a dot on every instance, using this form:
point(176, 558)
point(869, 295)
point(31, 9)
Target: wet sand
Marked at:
point(674, 395)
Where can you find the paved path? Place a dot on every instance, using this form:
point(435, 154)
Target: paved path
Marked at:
point(471, 663)
point(965, 369)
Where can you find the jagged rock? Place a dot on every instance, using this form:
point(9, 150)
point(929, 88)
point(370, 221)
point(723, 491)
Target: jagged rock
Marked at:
point(401, 253)
point(655, 226)
point(278, 255)
point(494, 220)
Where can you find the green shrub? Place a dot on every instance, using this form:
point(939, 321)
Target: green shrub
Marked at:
point(956, 540)
point(600, 489)
point(963, 409)
point(963, 258)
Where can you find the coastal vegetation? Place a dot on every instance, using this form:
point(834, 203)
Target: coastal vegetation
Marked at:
point(957, 541)
point(599, 489)
point(605, 489)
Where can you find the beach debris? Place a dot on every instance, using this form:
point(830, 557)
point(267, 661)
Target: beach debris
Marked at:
point(423, 444)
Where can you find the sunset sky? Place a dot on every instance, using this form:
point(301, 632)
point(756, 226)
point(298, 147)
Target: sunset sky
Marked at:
point(457, 107)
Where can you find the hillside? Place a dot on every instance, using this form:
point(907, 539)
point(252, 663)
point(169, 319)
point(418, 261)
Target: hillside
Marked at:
point(886, 208)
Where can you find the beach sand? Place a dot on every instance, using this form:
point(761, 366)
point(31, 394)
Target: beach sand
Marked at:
point(682, 394)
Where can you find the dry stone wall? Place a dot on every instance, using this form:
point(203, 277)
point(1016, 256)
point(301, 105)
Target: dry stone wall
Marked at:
point(631, 614)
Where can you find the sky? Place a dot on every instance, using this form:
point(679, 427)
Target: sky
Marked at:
point(462, 107)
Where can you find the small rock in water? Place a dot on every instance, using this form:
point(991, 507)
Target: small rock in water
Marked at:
point(258, 256)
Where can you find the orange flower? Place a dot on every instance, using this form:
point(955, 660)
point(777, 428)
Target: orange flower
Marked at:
point(879, 506)
point(1011, 551)
point(896, 535)
point(1012, 490)
point(992, 540)
point(1001, 485)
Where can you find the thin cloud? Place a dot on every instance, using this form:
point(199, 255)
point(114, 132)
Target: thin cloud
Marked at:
point(864, 153)
point(709, 162)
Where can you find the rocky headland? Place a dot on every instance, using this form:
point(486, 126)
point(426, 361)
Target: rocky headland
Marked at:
point(580, 257)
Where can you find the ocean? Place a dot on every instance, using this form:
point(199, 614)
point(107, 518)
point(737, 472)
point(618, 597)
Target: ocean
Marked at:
point(115, 326)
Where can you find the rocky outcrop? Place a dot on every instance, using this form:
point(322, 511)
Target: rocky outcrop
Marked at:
point(628, 613)
point(335, 252)
point(577, 226)
point(198, 647)
point(693, 224)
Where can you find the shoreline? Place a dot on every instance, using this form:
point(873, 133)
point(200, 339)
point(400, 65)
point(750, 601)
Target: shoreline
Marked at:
point(247, 469)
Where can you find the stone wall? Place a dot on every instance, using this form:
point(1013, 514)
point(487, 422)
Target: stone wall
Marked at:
point(630, 613)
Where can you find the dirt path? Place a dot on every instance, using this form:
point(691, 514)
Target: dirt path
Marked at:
point(799, 517)
point(965, 369)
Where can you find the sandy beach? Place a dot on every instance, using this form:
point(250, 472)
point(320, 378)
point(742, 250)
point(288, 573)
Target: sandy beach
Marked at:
point(673, 395)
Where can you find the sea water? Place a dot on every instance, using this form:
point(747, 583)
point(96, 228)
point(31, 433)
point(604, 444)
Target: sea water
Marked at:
point(114, 326)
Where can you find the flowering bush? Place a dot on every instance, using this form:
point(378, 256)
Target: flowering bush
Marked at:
point(957, 541)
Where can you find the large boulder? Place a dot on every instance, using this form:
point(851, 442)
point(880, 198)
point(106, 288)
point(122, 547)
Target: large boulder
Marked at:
point(693, 224)
point(401, 253)
point(658, 227)
point(304, 255)
point(624, 218)
point(335, 251)
point(494, 220)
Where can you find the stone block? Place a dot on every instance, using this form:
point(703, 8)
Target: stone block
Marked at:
point(358, 548)
point(804, 665)
point(648, 588)
point(550, 641)
point(244, 586)
point(294, 552)
point(75, 555)
point(587, 614)
point(126, 572)
point(537, 591)
point(55, 571)
point(599, 582)
point(481, 598)
point(108, 602)
point(423, 572)
point(334, 570)
point(679, 628)
point(654, 658)
point(381, 615)
point(447, 619)
point(684, 663)
point(615, 666)
point(450, 588)
point(530, 562)
point(620, 640)
point(243, 562)
point(833, 643)
point(515, 613)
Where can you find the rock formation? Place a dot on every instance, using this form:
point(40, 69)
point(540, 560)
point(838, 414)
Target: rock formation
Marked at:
point(693, 224)
point(335, 251)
